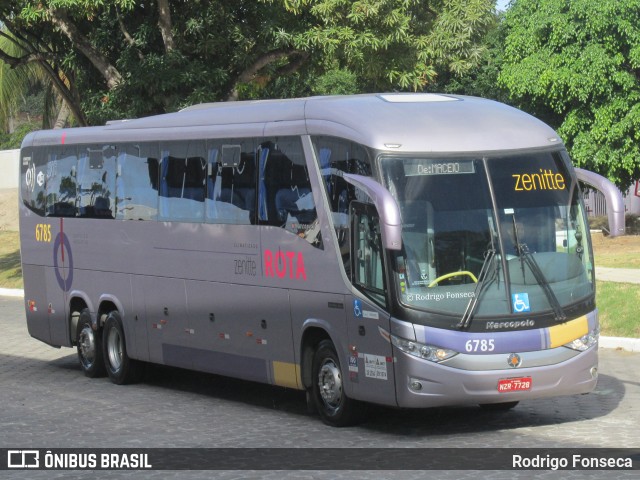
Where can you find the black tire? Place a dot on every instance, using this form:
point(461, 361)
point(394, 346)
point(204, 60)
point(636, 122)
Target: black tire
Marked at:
point(89, 347)
point(498, 407)
point(120, 368)
point(332, 403)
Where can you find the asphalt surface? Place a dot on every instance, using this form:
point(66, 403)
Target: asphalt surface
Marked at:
point(46, 402)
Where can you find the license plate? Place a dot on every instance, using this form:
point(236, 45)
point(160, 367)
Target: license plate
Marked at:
point(514, 384)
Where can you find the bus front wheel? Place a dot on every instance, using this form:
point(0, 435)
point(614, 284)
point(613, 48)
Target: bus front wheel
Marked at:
point(329, 397)
point(120, 368)
point(89, 345)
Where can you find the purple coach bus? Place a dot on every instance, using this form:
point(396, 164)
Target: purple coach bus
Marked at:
point(409, 250)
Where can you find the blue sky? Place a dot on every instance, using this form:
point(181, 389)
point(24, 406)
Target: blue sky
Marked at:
point(502, 4)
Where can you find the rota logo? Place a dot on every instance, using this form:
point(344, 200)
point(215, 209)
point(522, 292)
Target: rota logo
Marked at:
point(282, 264)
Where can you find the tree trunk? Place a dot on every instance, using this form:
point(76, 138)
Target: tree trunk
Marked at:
point(165, 25)
point(99, 61)
point(63, 116)
point(261, 62)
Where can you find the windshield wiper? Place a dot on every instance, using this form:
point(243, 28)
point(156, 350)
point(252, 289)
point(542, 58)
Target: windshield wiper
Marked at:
point(465, 321)
point(526, 257)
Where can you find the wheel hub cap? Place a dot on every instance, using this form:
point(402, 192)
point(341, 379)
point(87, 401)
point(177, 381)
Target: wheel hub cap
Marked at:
point(330, 383)
point(87, 345)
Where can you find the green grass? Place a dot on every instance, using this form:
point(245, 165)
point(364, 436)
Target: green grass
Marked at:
point(618, 306)
point(10, 269)
point(617, 302)
point(618, 260)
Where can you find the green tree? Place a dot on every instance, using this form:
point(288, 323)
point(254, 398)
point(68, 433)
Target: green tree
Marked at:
point(482, 79)
point(577, 65)
point(20, 88)
point(118, 58)
point(15, 85)
point(393, 44)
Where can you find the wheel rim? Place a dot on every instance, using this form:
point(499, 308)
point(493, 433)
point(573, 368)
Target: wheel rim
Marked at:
point(87, 347)
point(115, 349)
point(330, 384)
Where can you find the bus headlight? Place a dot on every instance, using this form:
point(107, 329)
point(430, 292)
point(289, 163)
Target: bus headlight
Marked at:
point(421, 350)
point(587, 341)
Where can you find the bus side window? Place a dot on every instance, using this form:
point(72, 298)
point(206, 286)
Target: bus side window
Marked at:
point(33, 183)
point(368, 273)
point(61, 181)
point(231, 182)
point(285, 196)
point(337, 155)
point(182, 182)
point(96, 182)
point(137, 182)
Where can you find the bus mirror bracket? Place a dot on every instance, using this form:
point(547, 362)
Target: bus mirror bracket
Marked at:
point(387, 207)
point(613, 197)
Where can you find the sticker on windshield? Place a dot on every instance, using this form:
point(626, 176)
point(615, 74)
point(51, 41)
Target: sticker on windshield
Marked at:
point(520, 302)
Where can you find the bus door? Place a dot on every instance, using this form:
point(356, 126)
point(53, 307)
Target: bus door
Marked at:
point(371, 372)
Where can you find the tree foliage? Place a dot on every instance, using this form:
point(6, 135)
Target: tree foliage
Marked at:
point(399, 44)
point(577, 65)
point(119, 58)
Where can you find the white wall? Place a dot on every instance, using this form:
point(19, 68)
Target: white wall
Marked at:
point(632, 199)
point(9, 168)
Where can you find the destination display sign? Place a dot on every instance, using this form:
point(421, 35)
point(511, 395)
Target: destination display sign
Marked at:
point(430, 167)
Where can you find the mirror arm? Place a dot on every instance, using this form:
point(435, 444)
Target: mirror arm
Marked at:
point(387, 207)
point(613, 197)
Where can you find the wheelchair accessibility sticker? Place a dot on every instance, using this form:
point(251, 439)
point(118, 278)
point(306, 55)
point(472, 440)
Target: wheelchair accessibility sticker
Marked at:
point(520, 302)
point(357, 308)
point(360, 312)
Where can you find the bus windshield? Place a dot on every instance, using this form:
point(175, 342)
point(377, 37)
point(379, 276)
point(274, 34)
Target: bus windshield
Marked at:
point(490, 236)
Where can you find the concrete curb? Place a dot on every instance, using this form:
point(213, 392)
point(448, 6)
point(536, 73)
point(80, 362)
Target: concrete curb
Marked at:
point(618, 343)
point(11, 292)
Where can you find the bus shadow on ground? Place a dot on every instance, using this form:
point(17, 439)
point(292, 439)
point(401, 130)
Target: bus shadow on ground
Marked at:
point(405, 422)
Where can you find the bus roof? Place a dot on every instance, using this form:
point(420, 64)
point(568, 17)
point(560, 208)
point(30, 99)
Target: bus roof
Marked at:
point(418, 122)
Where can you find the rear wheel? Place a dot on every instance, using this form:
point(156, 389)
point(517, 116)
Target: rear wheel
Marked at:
point(89, 346)
point(329, 397)
point(120, 368)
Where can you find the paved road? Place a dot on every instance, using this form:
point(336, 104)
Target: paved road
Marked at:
point(46, 402)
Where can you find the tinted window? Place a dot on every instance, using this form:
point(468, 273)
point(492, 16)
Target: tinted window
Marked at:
point(61, 182)
point(137, 182)
point(182, 181)
point(285, 196)
point(336, 155)
point(33, 180)
point(368, 270)
point(231, 182)
point(97, 182)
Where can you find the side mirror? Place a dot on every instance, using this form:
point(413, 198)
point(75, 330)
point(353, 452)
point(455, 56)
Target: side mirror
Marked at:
point(387, 207)
point(613, 197)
